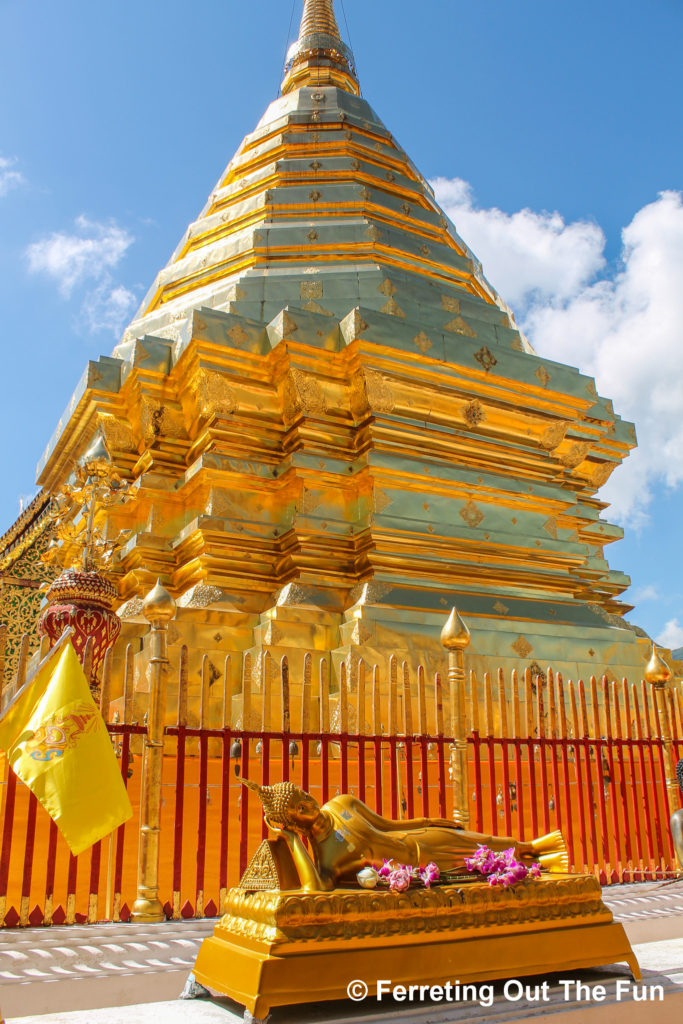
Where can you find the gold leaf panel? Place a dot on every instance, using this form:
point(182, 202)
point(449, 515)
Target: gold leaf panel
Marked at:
point(213, 394)
point(554, 435)
point(262, 874)
point(602, 473)
point(311, 289)
point(471, 514)
point(393, 309)
point(380, 396)
point(522, 647)
point(474, 413)
point(423, 342)
point(459, 326)
point(485, 358)
point(575, 455)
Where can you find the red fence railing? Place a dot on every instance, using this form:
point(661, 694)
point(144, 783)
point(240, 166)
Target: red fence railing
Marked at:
point(607, 797)
point(40, 881)
point(217, 824)
point(545, 756)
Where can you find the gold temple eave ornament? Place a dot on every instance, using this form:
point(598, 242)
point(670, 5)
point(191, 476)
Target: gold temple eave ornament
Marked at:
point(301, 929)
point(84, 597)
point(96, 486)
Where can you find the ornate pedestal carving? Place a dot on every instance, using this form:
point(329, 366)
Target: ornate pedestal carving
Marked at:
point(276, 948)
point(83, 600)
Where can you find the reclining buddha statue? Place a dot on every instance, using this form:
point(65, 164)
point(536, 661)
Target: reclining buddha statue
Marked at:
point(345, 836)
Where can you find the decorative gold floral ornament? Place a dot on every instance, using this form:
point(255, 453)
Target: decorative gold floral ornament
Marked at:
point(474, 413)
point(471, 513)
point(485, 358)
point(522, 647)
point(79, 540)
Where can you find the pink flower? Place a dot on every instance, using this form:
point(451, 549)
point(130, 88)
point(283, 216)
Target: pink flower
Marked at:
point(399, 879)
point(430, 874)
point(386, 868)
point(500, 868)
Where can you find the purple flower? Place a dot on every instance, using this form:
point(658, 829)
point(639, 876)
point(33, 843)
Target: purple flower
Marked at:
point(386, 868)
point(500, 868)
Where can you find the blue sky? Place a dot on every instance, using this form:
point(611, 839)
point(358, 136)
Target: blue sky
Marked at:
point(553, 128)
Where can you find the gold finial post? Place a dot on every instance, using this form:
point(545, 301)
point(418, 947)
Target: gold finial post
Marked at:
point(159, 608)
point(657, 672)
point(659, 675)
point(455, 637)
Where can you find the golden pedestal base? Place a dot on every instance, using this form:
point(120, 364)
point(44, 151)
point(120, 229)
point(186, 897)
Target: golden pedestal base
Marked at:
point(287, 948)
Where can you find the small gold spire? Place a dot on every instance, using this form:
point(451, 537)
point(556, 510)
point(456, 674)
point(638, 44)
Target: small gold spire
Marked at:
point(319, 16)
point(455, 635)
point(319, 57)
point(657, 671)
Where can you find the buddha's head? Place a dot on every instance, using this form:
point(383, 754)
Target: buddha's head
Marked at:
point(286, 805)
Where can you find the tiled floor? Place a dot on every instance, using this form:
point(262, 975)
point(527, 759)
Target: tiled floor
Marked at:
point(662, 964)
point(123, 965)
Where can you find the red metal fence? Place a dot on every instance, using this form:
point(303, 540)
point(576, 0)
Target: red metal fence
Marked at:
point(542, 755)
point(587, 760)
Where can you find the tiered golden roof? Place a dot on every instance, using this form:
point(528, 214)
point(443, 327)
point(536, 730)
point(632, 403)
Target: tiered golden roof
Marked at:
point(322, 401)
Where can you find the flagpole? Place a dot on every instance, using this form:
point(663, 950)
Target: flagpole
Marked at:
point(51, 654)
point(159, 609)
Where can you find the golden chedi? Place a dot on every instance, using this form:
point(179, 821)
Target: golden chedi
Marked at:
point(332, 428)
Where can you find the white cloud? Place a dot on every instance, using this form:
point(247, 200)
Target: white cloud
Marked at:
point(623, 326)
point(527, 256)
point(671, 636)
point(88, 256)
point(9, 178)
point(647, 593)
point(107, 308)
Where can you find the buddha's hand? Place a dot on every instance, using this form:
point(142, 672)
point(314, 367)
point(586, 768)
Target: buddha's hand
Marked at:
point(308, 875)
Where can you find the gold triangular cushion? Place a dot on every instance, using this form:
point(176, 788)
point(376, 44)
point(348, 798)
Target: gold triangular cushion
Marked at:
point(271, 867)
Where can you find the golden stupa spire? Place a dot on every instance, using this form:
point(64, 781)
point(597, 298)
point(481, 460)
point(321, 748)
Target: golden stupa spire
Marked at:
point(319, 56)
point(319, 16)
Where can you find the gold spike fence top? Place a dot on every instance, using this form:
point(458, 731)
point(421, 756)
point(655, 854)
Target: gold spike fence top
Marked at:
point(657, 671)
point(455, 635)
point(158, 607)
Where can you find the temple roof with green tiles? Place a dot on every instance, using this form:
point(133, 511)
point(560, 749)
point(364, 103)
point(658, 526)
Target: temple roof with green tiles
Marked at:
point(334, 427)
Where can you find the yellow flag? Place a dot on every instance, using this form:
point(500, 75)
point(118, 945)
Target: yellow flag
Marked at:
point(58, 745)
